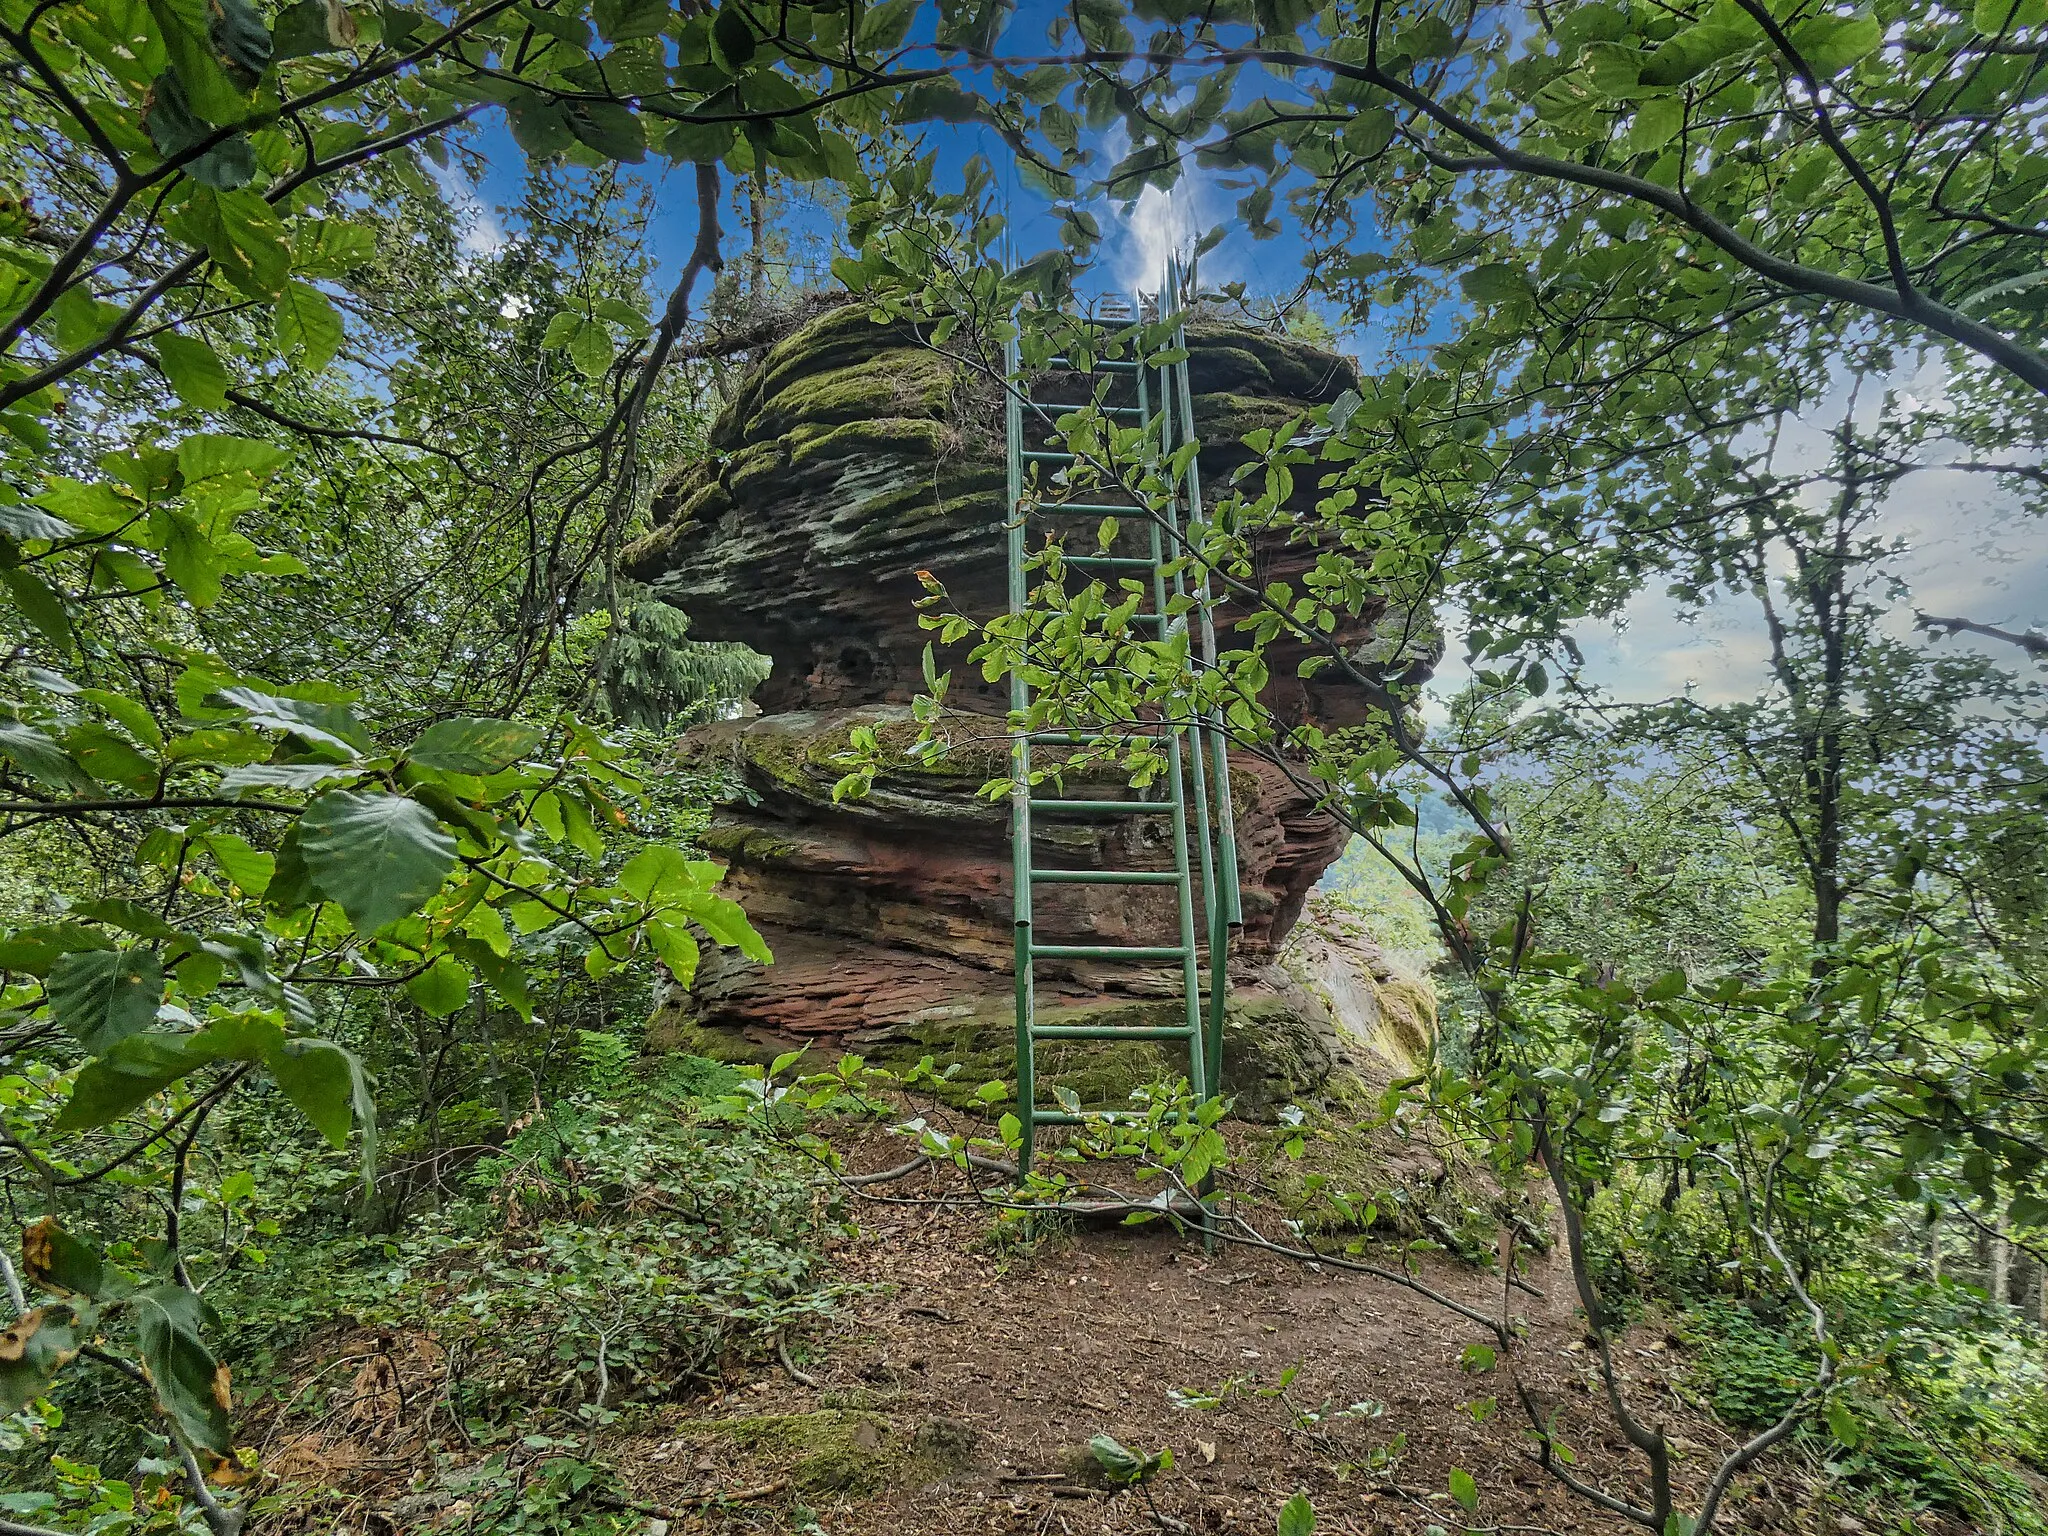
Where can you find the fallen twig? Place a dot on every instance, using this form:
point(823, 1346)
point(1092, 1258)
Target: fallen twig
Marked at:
point(801, 1378)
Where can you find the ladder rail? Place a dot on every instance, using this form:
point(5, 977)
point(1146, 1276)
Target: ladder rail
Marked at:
point(1200, 778)
point(1190, 978)
point(1219, 752)
point(1020, 761)
point(1213, 907)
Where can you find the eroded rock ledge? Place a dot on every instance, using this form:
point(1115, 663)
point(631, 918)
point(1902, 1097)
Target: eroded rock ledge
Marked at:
point(849, 459)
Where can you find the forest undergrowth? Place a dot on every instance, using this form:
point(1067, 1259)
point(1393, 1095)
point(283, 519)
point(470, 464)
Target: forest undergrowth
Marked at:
point(1659, 617)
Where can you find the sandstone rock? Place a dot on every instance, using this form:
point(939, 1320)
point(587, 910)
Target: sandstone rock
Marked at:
point(849, 459)
point(855, 456)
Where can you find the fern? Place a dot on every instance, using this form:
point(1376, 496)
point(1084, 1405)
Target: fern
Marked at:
point(604, 1063)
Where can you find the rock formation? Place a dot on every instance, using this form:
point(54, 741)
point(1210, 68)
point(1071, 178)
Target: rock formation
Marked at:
point(849, 459)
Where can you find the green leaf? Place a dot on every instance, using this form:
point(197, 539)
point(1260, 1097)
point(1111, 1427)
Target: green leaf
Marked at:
point(469, 744)
point(884, 27)
point(107, 755)
point(39, 604)
point(1830, 44)
point(381, 856)
point(1495, 283)
point(135, 1070)
point(190, 558)
point(332, 248)
point(56, 1261)
point(185, 27)
point(1463, 1489)
point(241, 232)
point(677, 948)
point(1203, 1154)
point(328, 1086)
point(38, 756)
point(189, 1382)
point(330, 724)
point(1726, 31)
point(313, 26)
point(1369, 131)
point(175, 128)
point(240, 39)
point(591, 348)
point(662, 876)
point(1842, 1423)
point(614, 131)
point(1992, 17)
point(620, 21)
point(503, 976)
point(194, 370)
point(245, 866)
point(24, 522)
point(101, 996)
point(733, 35)
point(1657, 122)
point(1667, 986)
point(287, 776)
point(724, 920)
point(307, 326)
point(206, 456)
point(703, 143)
point(1118, 1460)
point(32, 1349)
point(561, 326)
point(1297, 1517)
point(441, 989)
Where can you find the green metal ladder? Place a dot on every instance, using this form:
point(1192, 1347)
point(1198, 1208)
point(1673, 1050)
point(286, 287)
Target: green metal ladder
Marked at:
point(1198, 781)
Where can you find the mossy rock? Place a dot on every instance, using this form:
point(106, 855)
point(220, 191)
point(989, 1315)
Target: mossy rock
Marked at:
point(845, 1451)
point(854, 457)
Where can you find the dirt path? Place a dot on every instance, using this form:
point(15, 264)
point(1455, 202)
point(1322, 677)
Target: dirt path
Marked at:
point(974, 1374)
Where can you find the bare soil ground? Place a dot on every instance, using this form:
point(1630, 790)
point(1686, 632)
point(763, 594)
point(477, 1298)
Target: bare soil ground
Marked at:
point(1006, 1360)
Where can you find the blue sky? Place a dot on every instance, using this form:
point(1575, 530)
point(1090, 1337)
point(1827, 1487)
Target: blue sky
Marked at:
point(1136, 243)
point(1973, 552)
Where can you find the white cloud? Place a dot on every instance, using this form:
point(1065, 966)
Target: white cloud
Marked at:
point(1159, 225)
point(479, 232)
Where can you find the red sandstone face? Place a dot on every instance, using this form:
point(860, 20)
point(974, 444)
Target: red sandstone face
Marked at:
point(923, 862)
point(849, 461)
point(897, 908)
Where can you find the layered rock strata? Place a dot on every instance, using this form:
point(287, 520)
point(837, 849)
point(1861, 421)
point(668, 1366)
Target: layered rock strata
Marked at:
point(850, 459)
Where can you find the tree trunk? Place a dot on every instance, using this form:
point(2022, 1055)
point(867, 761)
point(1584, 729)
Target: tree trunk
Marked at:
point(2001, 1271)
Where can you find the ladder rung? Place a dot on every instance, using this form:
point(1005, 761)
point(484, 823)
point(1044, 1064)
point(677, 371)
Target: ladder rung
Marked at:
point(1121, 365)
point(1107, 952)
point(1108, 807)
point(1111, 562)
point(1098, 1032)
point(1048, 456)
point(1085, 509)
point(1105, 877)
